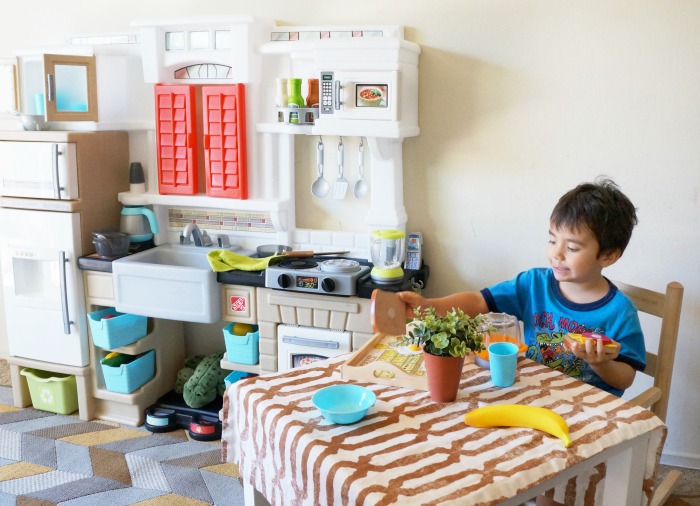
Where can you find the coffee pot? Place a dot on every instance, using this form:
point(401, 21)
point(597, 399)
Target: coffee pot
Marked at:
point(388, 251)
point(139, 222)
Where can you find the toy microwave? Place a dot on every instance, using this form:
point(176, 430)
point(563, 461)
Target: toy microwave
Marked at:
point(359, 95)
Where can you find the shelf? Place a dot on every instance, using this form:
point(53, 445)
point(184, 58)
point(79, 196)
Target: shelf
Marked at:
point(200, 200)
point(233, 366)
point(345, 128)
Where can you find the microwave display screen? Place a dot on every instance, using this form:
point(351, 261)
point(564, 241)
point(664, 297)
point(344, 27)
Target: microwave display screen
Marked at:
point(371, 95)
point(310, 282)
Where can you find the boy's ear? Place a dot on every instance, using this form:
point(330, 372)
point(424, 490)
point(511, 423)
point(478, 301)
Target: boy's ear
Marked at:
point(610, 257)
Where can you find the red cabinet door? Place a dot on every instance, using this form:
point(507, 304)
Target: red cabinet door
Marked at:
point(225, 140)
point(176, 139)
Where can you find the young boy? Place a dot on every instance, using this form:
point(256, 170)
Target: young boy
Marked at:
point(589, 230)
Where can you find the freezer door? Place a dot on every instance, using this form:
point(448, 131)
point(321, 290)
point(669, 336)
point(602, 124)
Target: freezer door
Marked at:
point(42, 286)
point(39, 170)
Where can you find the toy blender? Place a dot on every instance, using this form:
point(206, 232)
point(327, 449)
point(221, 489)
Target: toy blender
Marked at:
point(499, 327)
point(388, 251)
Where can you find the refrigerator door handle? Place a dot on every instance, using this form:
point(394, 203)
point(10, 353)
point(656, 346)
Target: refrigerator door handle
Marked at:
point(64, 292)
point(57, 188)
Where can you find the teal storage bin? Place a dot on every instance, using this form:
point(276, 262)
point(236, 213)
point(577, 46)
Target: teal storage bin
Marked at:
point(120, 330)
point(52, 391)
point(235, 376)
point(242, 349)
point(131, 375)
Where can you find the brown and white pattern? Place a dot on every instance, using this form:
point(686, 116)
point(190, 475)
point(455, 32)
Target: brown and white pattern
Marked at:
point(410, 450)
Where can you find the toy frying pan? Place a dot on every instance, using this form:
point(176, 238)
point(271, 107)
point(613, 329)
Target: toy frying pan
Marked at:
point(388, 313)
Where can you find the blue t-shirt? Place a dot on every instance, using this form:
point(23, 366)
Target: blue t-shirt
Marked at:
point(534, 297)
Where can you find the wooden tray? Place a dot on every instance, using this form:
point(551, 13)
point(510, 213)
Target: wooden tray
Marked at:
point(378, 361)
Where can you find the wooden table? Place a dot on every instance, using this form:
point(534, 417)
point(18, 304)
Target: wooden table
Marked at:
point(410, 450)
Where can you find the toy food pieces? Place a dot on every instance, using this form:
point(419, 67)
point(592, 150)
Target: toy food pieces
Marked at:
point(610, 346)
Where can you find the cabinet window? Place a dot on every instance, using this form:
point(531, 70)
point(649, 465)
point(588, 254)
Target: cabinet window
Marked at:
point(175, 41)
point(203, 71)
point(199, 40)
point(71, 88)
point(222, 39)
point(8, 86)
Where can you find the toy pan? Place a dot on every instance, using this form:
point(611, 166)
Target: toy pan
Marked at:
point(171, 413)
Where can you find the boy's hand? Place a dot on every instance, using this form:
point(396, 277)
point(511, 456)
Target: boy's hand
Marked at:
point(412, 301)
point(594, 351)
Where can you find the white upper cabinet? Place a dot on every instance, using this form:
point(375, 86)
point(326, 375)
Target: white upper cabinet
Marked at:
point(86, 87)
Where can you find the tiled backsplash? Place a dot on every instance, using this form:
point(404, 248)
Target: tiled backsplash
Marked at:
point(212, 219)
point(240, 221)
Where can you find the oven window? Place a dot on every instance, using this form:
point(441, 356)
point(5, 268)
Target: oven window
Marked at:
point(371, 95)
point(299, 359)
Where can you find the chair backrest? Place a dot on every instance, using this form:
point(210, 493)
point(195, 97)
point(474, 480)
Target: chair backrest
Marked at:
point(666, 306)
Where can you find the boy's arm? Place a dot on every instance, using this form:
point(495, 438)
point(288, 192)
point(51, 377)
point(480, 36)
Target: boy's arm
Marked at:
point(472, 303)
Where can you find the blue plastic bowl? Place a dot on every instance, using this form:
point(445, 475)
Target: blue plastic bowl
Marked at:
point(344, 404)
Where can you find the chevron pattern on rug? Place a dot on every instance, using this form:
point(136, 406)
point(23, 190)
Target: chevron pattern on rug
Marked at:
point(48, 459)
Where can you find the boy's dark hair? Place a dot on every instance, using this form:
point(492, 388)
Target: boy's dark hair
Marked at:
point(601, 207)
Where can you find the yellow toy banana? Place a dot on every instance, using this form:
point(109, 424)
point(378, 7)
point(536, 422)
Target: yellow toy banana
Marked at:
point(518, 415)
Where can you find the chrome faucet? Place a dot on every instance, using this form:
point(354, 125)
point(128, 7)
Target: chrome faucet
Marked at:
point(199, 237)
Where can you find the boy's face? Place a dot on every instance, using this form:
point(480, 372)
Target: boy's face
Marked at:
point(573, 255)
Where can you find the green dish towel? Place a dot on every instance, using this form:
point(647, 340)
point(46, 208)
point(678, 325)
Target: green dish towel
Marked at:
point(222, 260)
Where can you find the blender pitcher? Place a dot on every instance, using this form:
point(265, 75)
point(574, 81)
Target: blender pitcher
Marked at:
point(388, 251)
point(504, 328)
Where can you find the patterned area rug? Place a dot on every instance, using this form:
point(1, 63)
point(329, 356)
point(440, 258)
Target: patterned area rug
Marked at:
point(49, 459)
point(5, 373)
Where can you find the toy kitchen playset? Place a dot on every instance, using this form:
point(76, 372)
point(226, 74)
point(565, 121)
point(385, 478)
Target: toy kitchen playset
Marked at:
point(218, 153)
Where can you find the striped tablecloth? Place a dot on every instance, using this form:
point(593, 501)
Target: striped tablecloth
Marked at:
point(411, 450)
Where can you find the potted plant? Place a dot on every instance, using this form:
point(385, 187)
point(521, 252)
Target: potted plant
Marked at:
point(446, 341)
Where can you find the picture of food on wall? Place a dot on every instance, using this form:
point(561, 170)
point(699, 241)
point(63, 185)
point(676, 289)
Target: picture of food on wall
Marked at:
point(371, 95)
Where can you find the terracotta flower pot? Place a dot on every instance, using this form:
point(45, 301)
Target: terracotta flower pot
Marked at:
point(444, 374)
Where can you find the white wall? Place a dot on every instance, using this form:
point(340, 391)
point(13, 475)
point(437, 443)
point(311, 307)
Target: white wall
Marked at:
point(520, 100)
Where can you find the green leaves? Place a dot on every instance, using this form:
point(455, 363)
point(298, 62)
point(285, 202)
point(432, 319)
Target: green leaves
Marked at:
point(455, 334)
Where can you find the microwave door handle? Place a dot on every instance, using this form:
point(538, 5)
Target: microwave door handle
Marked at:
point(64, 292)
point(336, 95)
point(57, 188)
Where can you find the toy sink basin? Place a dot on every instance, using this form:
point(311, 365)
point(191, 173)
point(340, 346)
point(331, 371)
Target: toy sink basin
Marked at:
point(172, 281)
point(343, 404)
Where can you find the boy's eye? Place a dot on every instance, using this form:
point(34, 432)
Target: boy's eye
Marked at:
point(572, 249)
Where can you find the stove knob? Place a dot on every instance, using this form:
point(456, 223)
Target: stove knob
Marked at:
point(328, 284)
point(284, 280)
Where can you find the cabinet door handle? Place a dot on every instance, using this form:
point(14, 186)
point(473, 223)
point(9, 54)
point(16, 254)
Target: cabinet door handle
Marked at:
point(57, 188)
point(64, 292)
point(50, 87)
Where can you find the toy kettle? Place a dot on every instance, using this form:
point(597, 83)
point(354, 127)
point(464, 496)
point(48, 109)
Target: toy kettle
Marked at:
point(139, 222)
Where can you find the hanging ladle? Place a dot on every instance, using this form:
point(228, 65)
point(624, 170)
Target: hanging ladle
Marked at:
point(320, 187)
point(361, 186)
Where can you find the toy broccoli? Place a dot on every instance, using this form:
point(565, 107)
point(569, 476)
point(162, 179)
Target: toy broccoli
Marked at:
point(201, 380)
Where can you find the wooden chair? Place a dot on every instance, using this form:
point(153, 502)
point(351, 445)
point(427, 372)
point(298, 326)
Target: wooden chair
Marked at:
point(666, 306)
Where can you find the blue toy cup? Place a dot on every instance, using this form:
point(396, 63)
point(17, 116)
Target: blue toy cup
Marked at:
point(504, 360)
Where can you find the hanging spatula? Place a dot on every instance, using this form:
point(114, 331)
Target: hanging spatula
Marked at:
point(341, 184)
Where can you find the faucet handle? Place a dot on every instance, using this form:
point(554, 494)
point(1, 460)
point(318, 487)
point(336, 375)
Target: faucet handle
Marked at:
point(223, 241)
point(184, 239)
point(206, 240)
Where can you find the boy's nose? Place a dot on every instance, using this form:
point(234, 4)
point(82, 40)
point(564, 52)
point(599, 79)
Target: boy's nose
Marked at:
point(557, 252)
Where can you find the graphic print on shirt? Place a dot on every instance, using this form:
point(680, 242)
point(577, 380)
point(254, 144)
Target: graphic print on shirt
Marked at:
point(549, 349)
